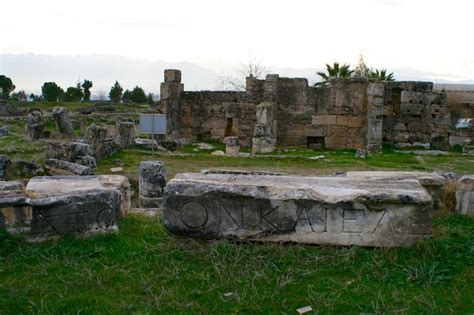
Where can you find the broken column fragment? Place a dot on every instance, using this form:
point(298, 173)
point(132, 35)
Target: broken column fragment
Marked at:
point(126, 134)
point(152, 181)
point(34, 125)
point(465, 195)
point(314, 210)
point(232, 146)
point(63, 121)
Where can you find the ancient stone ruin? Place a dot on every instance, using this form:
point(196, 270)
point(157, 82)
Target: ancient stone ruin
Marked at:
point(152, 182)
point(348, 114)
point(49, 207)
point(465, 195)
point(34, 125)
point(314, 210)
point(63, 121)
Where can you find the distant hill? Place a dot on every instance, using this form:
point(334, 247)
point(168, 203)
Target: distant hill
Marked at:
point(30, 71)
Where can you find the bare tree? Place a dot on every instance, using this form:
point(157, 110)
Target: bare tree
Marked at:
point(236, 80)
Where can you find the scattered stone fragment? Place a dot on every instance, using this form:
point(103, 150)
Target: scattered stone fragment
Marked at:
point(304, 310)
point(63, 121)
point(68, 151)
point(152, 181)
point(317, 157)
point(315, 210)
point(218, 153)
point(204, 146)
point(465, 195)
point(96, 136)
point(87, 160)
point(361, 154)
point(232, 146)
point(25, 169)
point(69, 167)
point(116, 169)
point(34, 125)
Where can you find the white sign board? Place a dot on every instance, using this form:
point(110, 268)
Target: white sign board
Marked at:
point(153, 124)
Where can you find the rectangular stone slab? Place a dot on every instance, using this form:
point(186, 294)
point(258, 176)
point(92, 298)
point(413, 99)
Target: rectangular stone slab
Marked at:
point(313, 210)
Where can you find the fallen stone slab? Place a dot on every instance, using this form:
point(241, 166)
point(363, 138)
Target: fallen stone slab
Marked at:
point(69, 167)
point(313, 210)
point(465, 195)
point(432, 182)
point(77, 184)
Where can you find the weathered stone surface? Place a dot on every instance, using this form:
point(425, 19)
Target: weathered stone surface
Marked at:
point(465, 195)
point(67, 151)
point(75, 184)
point(126, 134)
point(361, 154)
point(232, 146)
point(432, 182)
point(87, 160)
point(63, 121)
point(70, 167)
point(152, 181)
point(4, 131)
point(316, 210)
point(15, 214)
point(4, 164)
point(96, 136)
point(34, 125)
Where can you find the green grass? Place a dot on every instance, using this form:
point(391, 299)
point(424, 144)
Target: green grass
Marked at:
point(143, 269)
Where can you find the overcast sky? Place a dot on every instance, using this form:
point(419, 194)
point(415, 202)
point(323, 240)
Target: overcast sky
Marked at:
point(426, 35)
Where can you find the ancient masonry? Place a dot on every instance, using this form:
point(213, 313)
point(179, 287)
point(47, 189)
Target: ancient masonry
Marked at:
point(348, 114)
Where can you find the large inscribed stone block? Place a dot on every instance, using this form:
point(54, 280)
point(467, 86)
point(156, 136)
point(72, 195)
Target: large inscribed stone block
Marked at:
point(314, 210)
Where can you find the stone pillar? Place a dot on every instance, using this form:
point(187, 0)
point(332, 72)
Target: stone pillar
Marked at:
point(63, 121)
point(265, 130)
point(152, 182)
point(126, 133)
point(375, 94)
point(171, 91)
point(465, 195)
point(232, 146)
point(96, 135)
point(34, 125)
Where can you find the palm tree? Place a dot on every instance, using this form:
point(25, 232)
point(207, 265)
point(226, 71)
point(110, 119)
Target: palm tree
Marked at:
point(381, 75)
point(336, 71)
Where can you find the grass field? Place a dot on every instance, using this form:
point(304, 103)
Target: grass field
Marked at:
point(142, 269)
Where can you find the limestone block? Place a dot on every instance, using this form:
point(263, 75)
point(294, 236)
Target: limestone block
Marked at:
point(232, 146)
point(465, 195)
point(67, 151)
point(376, 90)
point(63, 121)
point(263, 145)
point(123, 185)
point(15, 214)
point(126, 134)
point(96, 136)
point(172, 75)
point(324, 120)
point(432, 182)
point(314, 210)
point(70, 167)
point(152, 181)
point(34, 125)
point(4, 131)
point(316, 131)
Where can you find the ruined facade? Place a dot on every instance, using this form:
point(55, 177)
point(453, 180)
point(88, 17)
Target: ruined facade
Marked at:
point(348, 114)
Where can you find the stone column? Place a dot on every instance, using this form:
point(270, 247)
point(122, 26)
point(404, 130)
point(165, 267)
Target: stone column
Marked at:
point(232, 146)
point(96, 135)
point(63, 121)
point(465, 195)
point(126, 133)
point(375, 93)
point(152, 182)
point(265, 130)
point(34, 125)
point(171, 91)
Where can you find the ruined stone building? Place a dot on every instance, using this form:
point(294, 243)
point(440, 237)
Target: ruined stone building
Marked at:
point(348, 114)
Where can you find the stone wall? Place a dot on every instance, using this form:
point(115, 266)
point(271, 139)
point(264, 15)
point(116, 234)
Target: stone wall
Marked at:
point(414, 114)
point(348, 114)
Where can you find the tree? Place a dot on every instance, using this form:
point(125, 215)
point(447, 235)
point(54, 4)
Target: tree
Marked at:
point(86, 85)
point(73, 94)
point(115, 93)
point(336, 71)
point(382, 75)
point(236, 80)
point(127, 95)
point(51, 92)
point(362, 70)
point(7, 86)
point(151, 99)
point(138, 95)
